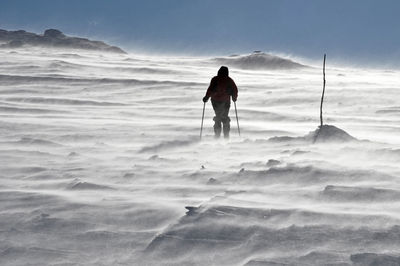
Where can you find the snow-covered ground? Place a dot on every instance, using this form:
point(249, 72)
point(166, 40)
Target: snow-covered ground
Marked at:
point(100, 155)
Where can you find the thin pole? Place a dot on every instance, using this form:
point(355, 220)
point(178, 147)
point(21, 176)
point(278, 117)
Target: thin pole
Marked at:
point(322, 101)
point(323, 94)
point(237, 119)
point(202, 119)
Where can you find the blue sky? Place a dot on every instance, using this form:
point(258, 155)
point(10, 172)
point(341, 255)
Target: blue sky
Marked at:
point(361, 30)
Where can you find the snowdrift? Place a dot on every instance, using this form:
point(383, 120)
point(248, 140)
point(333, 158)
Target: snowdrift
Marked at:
point(345, 193)
point(259, 61)
point(230, 232)
point(371, 259)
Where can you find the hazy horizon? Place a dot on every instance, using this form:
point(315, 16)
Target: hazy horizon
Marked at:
point(356, 32)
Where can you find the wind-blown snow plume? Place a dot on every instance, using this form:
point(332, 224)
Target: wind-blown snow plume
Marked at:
point(101, 163)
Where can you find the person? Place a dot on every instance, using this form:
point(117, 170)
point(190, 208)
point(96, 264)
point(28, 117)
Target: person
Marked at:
point(221, 89)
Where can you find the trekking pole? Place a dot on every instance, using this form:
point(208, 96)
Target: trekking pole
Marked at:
point(202, 119)
point(237, 119)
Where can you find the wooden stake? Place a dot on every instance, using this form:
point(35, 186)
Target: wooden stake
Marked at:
point(323, 94)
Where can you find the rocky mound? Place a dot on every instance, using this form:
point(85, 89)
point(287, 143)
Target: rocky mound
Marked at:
point(52, 38)
point(259, 60)
point(326, 133)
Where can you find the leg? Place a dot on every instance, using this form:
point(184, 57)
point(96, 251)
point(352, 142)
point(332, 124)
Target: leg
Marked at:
point(226, 120)
point(226, 128)
point(219, 111)
point(217, 127)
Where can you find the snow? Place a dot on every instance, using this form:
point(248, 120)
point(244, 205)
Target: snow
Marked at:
point(259, 60)
point(101, 164)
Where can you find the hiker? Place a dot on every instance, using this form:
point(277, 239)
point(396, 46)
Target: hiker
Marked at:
point(221, 88)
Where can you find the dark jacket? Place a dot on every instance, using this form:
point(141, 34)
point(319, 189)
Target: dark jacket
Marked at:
point(221, 88)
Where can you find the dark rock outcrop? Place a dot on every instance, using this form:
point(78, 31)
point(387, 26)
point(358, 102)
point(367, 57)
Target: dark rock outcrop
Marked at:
point(52, 38)
point(53, 33)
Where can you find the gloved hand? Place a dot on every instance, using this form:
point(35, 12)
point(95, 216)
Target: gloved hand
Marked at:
point(234, 99)
point(205, 99)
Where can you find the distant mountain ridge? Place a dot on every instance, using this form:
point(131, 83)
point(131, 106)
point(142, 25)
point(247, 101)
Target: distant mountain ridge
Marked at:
point(52, 38)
